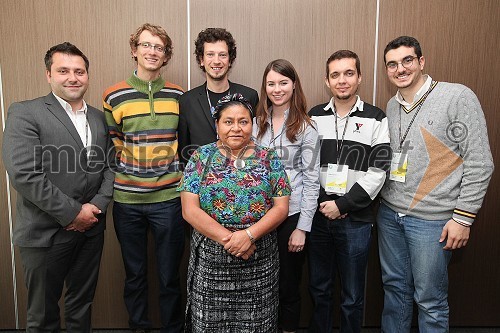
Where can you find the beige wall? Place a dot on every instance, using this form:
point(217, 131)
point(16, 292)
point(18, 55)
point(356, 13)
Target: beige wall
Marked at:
point(459, 40)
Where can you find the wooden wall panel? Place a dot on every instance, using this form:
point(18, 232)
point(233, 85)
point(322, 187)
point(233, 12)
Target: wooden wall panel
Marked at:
point(7, 306)
point(459, 40)
point(303, 33)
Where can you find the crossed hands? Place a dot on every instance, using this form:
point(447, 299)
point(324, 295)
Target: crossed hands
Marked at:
point(239, 245)
point(330, 210)
point(85, 219)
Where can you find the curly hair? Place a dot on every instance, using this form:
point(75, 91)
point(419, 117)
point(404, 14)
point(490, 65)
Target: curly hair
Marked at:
point(212, 35)
point(155, 30)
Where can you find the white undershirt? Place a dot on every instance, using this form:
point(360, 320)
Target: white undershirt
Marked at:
point(79, 119)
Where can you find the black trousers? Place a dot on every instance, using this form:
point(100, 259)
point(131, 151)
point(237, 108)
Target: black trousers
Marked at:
point(291, 264)
point(46, 269)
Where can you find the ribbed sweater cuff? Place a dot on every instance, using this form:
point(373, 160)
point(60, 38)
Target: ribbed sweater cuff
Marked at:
point(464, 216)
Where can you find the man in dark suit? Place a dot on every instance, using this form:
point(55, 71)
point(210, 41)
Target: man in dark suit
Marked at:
point(55, 150)
point(215, 53)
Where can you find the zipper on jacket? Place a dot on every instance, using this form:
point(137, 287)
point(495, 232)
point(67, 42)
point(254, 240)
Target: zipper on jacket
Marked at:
point(151, 102)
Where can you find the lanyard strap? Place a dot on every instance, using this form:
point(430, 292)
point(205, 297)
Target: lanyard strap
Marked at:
point(339, 147)
point(273, 139)
point(422, 100)
point(212, 108)
point(86, 130)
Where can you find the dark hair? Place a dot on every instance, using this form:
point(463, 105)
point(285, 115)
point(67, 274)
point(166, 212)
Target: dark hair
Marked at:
point(155, 30)
point(404, 41)
point(66, 48)
point(229, 100)
point(343, 54)
point(212, 35)
point(297, 115)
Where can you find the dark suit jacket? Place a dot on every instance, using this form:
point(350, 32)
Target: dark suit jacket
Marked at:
point(49, 169)
point(196, 125)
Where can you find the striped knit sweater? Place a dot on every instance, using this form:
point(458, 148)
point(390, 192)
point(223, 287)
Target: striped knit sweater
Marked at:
point(365, 150)
point(142, 118)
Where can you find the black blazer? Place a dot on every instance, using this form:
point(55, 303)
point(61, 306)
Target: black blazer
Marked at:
point(196, 125)
point(48, 167)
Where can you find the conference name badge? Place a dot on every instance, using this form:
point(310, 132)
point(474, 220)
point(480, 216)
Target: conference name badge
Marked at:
point(399, 167)
point(336, 178)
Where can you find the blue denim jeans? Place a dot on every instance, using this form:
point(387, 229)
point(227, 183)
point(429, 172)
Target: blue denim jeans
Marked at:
point(414, 267)
point(132, 222)
point(338, 246)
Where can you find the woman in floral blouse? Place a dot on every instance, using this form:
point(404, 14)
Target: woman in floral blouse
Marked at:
point(234, 194)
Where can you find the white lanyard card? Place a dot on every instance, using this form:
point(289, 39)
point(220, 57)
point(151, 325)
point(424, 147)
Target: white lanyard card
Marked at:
point(336, 178)
point(399, 167)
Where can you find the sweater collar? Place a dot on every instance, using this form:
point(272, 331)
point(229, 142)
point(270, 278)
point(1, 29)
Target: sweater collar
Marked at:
point(421, 92)
point(143, 86)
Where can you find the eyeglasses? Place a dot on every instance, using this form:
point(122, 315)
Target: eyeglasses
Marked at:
point(156, 47)
point(407, 62)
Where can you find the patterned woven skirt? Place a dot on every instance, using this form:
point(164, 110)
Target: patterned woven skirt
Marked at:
point(227, 294)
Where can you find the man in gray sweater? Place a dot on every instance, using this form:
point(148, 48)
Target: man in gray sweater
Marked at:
point(440, 170)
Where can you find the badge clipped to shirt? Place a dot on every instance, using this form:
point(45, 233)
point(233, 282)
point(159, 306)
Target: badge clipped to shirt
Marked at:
point(336, 178)
point(399, 166)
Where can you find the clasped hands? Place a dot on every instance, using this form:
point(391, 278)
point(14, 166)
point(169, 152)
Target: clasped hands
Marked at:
point(85, 219)
point(330, 210)
point(239, 245)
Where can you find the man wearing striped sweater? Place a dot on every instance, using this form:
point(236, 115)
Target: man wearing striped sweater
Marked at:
point(142, 113)
point(354, 159)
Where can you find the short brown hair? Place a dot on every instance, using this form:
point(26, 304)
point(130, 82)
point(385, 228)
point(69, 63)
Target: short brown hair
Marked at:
point(155, 30)
point(66, 48)
point(343, 54)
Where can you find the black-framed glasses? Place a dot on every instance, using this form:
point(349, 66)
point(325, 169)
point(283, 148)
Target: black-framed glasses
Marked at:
point(156, 47)
point(407, 62)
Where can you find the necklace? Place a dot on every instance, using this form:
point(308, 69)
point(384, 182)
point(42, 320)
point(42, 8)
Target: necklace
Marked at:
point(238, 163)
point(212, 108)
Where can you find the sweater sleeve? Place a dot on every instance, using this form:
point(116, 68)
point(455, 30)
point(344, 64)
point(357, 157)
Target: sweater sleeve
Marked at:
point(470, 131)
point(114, 128)
point(310, 178)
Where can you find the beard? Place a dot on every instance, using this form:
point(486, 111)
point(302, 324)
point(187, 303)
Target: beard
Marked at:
point(343, 97)
point(217, 78)
point(220, 77)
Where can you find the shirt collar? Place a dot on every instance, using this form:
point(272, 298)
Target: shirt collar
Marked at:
point(285, 115)
point(67, 107)
point(421, 92)
point(357, 106)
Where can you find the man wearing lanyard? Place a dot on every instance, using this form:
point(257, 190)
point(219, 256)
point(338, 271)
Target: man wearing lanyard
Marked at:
point(355, 156)
point(143, 113)
point(215, 50)
point(55, 150)
point(440, 170)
